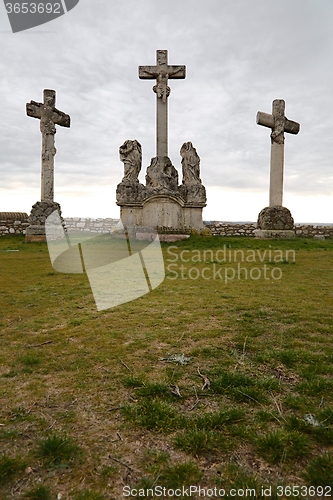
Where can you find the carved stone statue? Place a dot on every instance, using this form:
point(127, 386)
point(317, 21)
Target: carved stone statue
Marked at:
point(130, 192)
point(162, 72)
point(162, 89)
point(190, 164)
point(131, 155)
point(161, 174)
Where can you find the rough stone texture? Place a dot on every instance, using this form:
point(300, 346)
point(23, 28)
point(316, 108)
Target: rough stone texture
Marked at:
point(35, 232)
point(310, 231)
point(275, 234)
point(249, 230)
point(92, 225)
point(130, 193)
point(161, 72)
point(165, 238)
point(190, 164)
point(131, 156)
point(279, 124)
point(13, 223)
point(163, 212)
point(193, 195)
point(161, 176)
point(8, 221)
point(162, 203)
point(171, 238)
point(231, 229)
point(275, 218)
point(49, 117)
point(130, 190)
point(16, 216)
point(192, 191)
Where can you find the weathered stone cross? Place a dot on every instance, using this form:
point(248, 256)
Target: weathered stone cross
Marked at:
point(49, 117)
point(162, 72)
point(279, 124)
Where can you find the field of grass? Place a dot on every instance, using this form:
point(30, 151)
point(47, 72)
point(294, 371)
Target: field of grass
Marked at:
point(220, 378)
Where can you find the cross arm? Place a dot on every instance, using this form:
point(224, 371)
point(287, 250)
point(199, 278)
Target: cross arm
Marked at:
point(34, 109)
point(267, 120)
point(148, 72)
point(152, 72)
point(60, 118)
point(178, 72)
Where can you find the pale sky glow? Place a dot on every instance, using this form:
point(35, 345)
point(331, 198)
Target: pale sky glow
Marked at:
point(240, 55)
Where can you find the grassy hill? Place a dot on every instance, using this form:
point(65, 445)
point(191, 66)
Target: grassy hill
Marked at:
point(219, 378)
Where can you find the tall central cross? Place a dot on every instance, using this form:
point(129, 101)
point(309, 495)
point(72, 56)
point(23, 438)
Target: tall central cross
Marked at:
point(162, 72)
point(279, 124)
point(49, 117)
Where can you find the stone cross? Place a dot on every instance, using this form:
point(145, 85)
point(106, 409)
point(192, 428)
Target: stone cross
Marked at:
point(279, 124)
point(162, 72)
point(49, 117)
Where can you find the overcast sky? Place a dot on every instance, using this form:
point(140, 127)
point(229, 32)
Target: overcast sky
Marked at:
point(240, 55)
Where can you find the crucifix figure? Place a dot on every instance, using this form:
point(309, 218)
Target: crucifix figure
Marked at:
point(279, 124)
point(49, 117)
point(161, 72)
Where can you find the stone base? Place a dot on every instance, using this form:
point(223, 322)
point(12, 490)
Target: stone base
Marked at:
point(172, 238)
point(165, 238)
point(319, 237)
point(274, 233)
point(275, 218)
point(35, 232)
point(35, 239)
point(164, 213)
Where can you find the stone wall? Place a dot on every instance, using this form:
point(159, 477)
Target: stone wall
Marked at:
point(17, 222)
point(90, 225)
point(302, 230)
point(13, 223)
point(309, 231)
point(231, 229)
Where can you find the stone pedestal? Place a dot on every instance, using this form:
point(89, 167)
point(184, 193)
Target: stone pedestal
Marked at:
point(271, 234)
point(35, 232)
point(275, 222)
point(163, 212)
point(161, 204)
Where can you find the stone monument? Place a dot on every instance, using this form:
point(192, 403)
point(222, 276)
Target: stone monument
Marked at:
point(161, 203)
point(275, 220)
point(49, 117)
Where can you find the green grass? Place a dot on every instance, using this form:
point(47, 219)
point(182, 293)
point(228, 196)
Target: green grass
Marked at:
point(279, 447)
point(220, 420)
point(89, 495)
point(320, 471)
point(155, 415)
point(10, 468)
point(199, 441)
point(57, 450)
point(171, 476)
point(86, 396)
point(39, 493)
